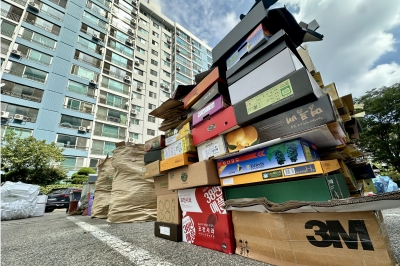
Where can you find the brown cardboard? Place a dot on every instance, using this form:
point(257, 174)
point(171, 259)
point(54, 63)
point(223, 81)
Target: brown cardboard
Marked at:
point(153, 170)
point(161, 186)
point(296, 239)
point(168, 231)
point(168, 209)
point(203, 173)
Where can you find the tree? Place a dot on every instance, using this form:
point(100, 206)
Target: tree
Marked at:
point(28, 160)
point(381, 124)
point(82, 175)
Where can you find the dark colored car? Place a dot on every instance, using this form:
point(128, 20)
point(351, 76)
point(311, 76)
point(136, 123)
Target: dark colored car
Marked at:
point(58, 198)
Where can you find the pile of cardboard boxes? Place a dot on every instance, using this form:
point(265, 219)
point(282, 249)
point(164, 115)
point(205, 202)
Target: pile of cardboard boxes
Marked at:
point(258, 124)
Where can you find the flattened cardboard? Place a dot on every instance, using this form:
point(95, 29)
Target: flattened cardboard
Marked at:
point(161, 186)
point(168, 231)
point(207, 111)
point(318, 79)
point(154, 143)
point(332, 91)
point(216, 90)
point(181, 91)
point(183, 145)
point(212, 148)
point(168, 109)
point(153, 170)
point(152, 156)
point(293, 90)
point(218, 124)
point(357, 238)
point(178, 161)
point(202, 173)
point(168, 209)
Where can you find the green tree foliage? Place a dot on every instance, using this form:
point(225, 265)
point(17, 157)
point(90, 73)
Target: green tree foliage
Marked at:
point(82, 175)
point(28, 160)
point(46, 189)
point(381, 124)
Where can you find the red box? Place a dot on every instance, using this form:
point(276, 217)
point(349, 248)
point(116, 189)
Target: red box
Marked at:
point(202, 87)
point(219, 123)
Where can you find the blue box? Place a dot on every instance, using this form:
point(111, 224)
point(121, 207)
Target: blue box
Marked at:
point(278, 155)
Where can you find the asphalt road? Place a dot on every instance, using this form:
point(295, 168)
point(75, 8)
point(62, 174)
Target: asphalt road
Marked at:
point(55, 239)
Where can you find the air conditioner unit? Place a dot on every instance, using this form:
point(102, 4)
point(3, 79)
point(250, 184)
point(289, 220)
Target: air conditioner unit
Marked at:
point(139, 88)
point(193, 50)
point(127, 79)
point(178, 68)
point(178, 51)
point(131, 140)
point(134, 3)
point(129, 42)
point(34, 6)
point(169, 40)
point(16, 52)
point(133, 21)
point(5, 114)
point(134, 12)
point(168, 58)
point(162, 85)
point(177, 33)
point(83, 129)
point(88, 128)
point(18, 117)
point(96, 37)
point(134, 112)
point(130, 31)
point(93, 82)
point(137, 63)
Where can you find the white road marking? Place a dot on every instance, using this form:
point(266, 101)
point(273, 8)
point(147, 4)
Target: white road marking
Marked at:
point(136, 255)
point(391, 214)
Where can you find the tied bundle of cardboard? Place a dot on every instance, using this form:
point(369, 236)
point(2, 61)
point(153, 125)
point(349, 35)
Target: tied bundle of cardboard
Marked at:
point(260, 124)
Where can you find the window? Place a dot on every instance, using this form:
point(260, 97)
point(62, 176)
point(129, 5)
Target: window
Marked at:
point(167, 45)
point(209, 53)
point(209, 60)
point(102, 147)
point(156, 34)
point(73, 163)
point(166, 73)
point(97, 9)
point(119, 35)
point(113, 100)
point(120, 47)
point(41, 23)
point(78, 105)
point(152, 72)
point(138, 71)
point(197, 59)
point(155, 25)
point(22, 133)
point(144, 22)
point(89, 17)
point(153, 94)
point(114, 85)
point(111, 115)
point(140, 50)
point(165, 83)
point(54, 13)
point(154, 52)
point(134, 135)
point(26, 72)
point(89, 45)
point(196, 52)
point(21, 91)
point(124, 5)
point(72, 142)
point(166, 54)
point(93, 163)
point(84, 73)
point(144, 13)
point(137, 84)
point(73, 122)
point(152, 106)
point(153, 42)
point(165, 94)
point(62, 3)
point(151, 119)
point(141, 61)
point(88, 59)
point(166, 36)
point(168, 64)
point(109, 131)
point(80, 88)
point(136, 95)
point(151, 132)
point(143, 31)
point(90, 31)
point(183, 79)
point(120, 24)
point(121, 14)
point(196, 44)
point(135, 121)
point(32, 37)
point(153, 83)
point(142, 40)
point(136, 107)
point(29, 114)
point(154, 62)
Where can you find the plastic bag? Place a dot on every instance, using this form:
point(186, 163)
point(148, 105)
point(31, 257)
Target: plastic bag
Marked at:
point(384, 184)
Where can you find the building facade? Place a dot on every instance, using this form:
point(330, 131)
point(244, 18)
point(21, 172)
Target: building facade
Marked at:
point(86, 74)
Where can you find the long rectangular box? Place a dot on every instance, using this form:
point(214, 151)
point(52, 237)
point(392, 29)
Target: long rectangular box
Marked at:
point(154, 143)
point(278, 155)
point(218, 89)
point(210, 109)
point(152, 156)
point(183, 145)
point(218, 124)
point(161, 186)
point(153, 170)
point(198, 174)
point(291, 91)
point(284, 173)
point(211, 148)
point(318, 188)
point(168, 231)
point(340, 239)
point(178, 161)
point(168, 209)
point(176, 134)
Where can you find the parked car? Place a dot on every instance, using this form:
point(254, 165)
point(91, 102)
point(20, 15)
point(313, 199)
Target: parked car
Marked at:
point(58, 198)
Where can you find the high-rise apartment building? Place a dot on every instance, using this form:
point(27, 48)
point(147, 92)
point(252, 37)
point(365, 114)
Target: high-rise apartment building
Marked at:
point(86, 74)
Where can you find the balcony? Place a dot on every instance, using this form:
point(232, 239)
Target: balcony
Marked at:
point(95, 64)
point(96, 50)
point(109, 134)
point(123, 51)
point(24, 75)
point(4, 51)
point(43, 27)
point(187, 64)
point(81, 109)
point(21, 2)
point(104, 2)
point(7, 33)
point(101, 39)
point(24, 119)
point(42, 62)
point(69, 146)
point(113, 74)
point(103, 14)
point(68, 125)
point(114, 104)
point(96, 151)
point(34, 41)
point(110, 119)
point(21, 96)
point(119, 90)
point(119, 63)
point(10, 15)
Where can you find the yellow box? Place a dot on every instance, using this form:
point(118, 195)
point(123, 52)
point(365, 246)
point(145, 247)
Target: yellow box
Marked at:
point(293, 171)
point(331, 90)
point(350, 180)
point(178, 161)
point(153, 170)
point(176, 134)
point(184, 145)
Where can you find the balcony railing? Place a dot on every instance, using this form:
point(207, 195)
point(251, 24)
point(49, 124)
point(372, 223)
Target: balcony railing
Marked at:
point(117, 62)
point(32, 22)
point(99, 23)
point(96, 50)
point(7, 33)
point(24, 119)
point(104, 2)
point(107, 86)
point(34, 41)
point(68, 125)
point(184, 71)
point(113, 74)
point(110, 119)
point(69, 146)
point(79, 109)
point(98, 64)
point(51, 15)
point(109, 134)
point(21, 2)
point(11, 15)
point(89, 5)
point(91, 35)
point(97, 151)
point(21, 96)
point(4, 50)
point(121, 50)
point(21, 74)
point(113, 104)
point(187, 64)
point(91, 95)
point(35, 59)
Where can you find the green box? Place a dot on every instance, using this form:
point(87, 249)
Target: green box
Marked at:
point(318, 188)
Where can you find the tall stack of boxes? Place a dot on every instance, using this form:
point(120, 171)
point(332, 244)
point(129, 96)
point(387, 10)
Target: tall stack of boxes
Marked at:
point(258, 124)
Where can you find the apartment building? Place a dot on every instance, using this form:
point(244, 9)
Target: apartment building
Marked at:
point(86, 74)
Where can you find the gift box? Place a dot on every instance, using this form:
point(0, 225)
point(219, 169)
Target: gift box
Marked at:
point(211, 148)
point(207, 111)
point(218, 89)
point(183, 145)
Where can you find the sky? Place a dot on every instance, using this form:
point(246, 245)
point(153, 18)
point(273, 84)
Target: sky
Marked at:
point(361, 46)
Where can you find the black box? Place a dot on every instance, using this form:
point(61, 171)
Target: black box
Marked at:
point(168, 231)
point(216, 90)
point(152, 156)
point(294, 90)
point(363, 171)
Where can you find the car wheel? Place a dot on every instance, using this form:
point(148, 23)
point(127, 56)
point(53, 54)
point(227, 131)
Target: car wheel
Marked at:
point(49, 210)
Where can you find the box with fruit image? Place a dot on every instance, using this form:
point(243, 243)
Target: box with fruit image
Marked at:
point(283, 154)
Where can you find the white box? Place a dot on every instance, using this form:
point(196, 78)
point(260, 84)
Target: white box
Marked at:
point(212, 148)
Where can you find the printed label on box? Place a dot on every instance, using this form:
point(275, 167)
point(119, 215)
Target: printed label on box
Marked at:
point(206, 109)
point(228, 181)
point(300, 170)
point(202, 199)
point(211, 150)
point(165, 230)
point(268, 97)
point(189, 230)
point(272, 174)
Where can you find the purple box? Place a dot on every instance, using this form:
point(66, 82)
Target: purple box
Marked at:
point(210, 109)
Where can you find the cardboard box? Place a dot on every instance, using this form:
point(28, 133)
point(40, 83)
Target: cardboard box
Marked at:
point(169, 108)
point(278, 155)
point(296, 120)
point(198, 174)
point(318, 79)
point(350, 180)
point(351, 238)
point(278, 67)
point(154, 143)
point(176, 134)
point(215, 75)
point(205, 199)
point(152, 156)
point(368, 187)
point(183, 145)
point(259, 36)
point(363, 171)
point(161, 186)
point(295, 89)
point(332, 91)
point(218, 124)
point(178, 161)
point(181, 91)
point(153, 170)
point(212, 148)
point(317, 188)
point(209, 230)
point(218, 89)
point(168, 209)
point(168, 231)
point(283, 173)
point(207, 111)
